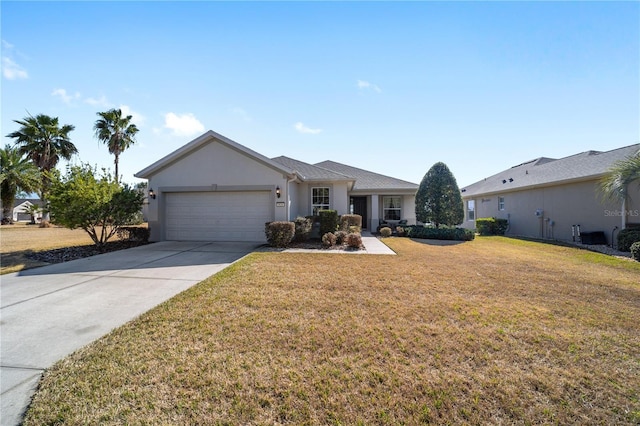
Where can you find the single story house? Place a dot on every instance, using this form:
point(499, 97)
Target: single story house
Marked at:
point(214, 189)
point(550, 198)
point(21, 206)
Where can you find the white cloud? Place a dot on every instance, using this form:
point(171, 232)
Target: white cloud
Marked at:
point(64, 96)
point(11, 70)
point(136, 119)
point(365, 85)
point(183, 125)
point(101, 101)
point(300, 127)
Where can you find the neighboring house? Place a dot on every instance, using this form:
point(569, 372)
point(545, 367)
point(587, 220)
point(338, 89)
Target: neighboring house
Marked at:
point(21, 206)
point(548, 198)
point(214, 189)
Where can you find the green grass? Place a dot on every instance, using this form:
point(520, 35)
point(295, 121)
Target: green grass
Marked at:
point(486, 332)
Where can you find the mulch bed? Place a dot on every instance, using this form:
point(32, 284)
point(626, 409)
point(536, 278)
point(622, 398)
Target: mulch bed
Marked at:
point(72, 253)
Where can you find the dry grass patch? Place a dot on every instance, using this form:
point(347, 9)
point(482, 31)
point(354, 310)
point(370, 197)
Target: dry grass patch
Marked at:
point(492, 331)
point(19, 240)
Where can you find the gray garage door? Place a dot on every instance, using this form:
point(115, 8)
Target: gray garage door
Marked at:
point(217, 216)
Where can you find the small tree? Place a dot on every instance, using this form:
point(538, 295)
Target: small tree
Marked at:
point(33, 211)
point(45, 142)
point(438, 199)
point(96, 204)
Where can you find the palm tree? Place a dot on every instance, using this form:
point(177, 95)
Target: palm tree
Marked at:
point(17, 173)
point(44, 142)
point(615, 184)
point(116, 131)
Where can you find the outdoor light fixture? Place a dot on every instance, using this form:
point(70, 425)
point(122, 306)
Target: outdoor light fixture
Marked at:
point(278, 194)
point(152, 194)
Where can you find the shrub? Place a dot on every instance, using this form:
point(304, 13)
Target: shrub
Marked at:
point(354, 240)
point(627, 237)
point(45, 224)
point(635, 250)
point(133, 233)
point(329, 239)
point(341, 237)
point(442, 233)
point(385, 232)
point(303, 227)
point(491, 226)
point(400, 232)
point(350, 221)
point(328, 221)
point(136, 219)
point(279, 233)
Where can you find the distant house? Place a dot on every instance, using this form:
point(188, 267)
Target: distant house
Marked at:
point(549, 198)
point(214, 189)
point(21, 206)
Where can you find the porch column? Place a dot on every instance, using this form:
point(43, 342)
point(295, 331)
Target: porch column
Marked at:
point(375, 216)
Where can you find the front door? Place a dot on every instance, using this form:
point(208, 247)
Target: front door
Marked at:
point(360, 207)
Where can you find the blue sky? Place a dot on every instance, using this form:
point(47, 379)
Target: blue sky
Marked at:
point(389, 87)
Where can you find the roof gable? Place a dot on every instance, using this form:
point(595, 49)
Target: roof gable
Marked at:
point(310, 172)
point(548, 171)
point(200, 141)
point(366, 180)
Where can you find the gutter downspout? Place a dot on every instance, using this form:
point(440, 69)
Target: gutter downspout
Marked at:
point(289, 180)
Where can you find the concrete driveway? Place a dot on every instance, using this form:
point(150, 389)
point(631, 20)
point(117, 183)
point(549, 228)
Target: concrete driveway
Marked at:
point(47, 313)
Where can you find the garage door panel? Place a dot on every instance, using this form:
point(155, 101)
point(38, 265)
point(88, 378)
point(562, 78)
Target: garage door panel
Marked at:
point(217, 216)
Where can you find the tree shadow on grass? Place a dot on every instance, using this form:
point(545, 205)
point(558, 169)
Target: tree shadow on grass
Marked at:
point(432, 242)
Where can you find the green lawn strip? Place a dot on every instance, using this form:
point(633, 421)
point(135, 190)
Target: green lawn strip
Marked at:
point(483, 332)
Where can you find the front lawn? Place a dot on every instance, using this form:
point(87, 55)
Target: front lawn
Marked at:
point(493, 331)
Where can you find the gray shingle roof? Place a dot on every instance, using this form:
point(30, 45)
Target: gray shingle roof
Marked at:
point(545, 171)
point(309, 172)
point(366, 180)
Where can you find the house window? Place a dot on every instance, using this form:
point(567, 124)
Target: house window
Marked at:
point(319, 200)
point(391, 208)
point(500, 203)
point(471, 210)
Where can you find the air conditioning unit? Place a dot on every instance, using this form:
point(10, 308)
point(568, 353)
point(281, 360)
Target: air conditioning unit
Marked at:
point(539, 212)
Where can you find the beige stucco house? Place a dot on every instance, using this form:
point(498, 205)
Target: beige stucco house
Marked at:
point(214, 189)
point(549, 198)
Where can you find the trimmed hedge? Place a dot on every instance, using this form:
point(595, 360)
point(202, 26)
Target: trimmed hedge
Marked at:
point(133, 233)
point(491, 226)
point(350, 221)
point(627, 237)
point(385, 232)
point(354, 240)
point(279, 233)
point(329, 239)
point(303, 227)
point(442, 233)
point(328, 221)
